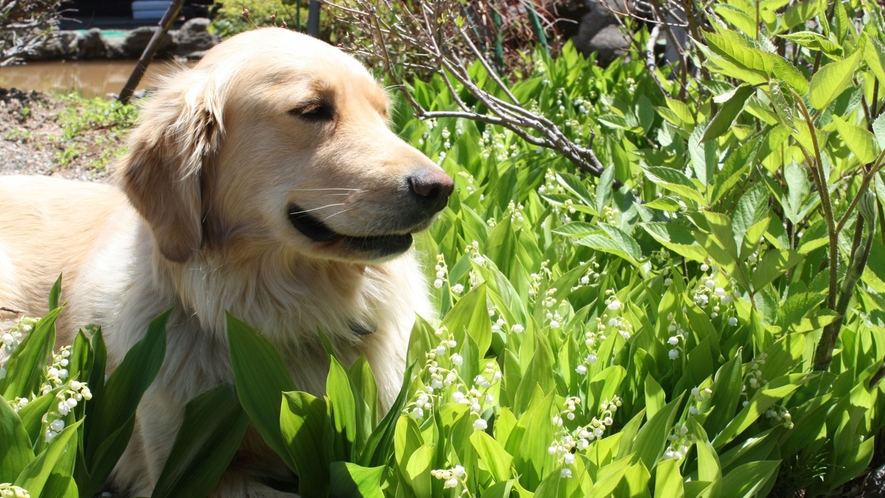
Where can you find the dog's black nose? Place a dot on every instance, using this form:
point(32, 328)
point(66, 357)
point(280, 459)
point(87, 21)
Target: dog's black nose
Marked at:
point(432, 188)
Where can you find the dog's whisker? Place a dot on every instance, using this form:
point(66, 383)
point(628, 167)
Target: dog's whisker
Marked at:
point(329, 188)
point(336, 214)
point(317, 208)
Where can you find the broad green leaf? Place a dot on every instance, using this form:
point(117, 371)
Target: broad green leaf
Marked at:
point(810, 39)
point(380, 441)
point(655, 397)
point(860, 141)
point(26, 364)
point(606, 244)
point(16, 445)
point(833, 79)
point(213, 427)
point(350, 479)
point(495, 457)
point(576, 229)
point(774, 264)
point(726, 396)
point(800, 12)
point(609, 476)
point(55, 293)
point(301, 426)
point(261, 380)
point(874, 55)
point(746, 480)
point(652, 437)
point(682, 110)
point(668, 480)
point(675, 181)
point(37, 473)
point(343, 410)
point(737, 17)
point(729, 110)
point(529, 440)
point(722, 230)
point(879, 131)
point(31, 415)
point(766, 396)
point(624, 240)
point(110, 423)
point(736, 164)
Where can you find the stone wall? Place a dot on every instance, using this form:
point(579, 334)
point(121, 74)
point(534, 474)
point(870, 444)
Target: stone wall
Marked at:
point(191, 41)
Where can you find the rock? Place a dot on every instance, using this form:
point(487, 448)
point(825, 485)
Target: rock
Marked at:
point(599, 32)
point(91, 45)
point(193, 37)
point(137, 39)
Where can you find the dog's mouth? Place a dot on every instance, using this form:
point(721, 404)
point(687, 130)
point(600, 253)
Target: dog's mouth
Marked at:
point(376, 246)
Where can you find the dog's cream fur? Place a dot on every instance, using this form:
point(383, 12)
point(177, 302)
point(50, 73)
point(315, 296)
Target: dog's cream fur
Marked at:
point(200, 223)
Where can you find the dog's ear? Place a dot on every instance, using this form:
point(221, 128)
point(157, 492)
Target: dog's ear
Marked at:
point(176, 136)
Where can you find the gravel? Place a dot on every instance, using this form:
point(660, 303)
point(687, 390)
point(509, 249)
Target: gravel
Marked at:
point(32, 139)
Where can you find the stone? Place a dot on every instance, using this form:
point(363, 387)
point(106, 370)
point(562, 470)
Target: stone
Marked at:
point(91, 45)
point(194, 37)
point(599, 32)
point(137, 40)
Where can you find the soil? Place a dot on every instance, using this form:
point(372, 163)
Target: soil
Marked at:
point(32, 140)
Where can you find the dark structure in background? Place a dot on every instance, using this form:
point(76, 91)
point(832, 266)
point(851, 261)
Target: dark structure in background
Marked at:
point(117, 14)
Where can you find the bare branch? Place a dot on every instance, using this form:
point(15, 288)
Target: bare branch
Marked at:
point(437, 38)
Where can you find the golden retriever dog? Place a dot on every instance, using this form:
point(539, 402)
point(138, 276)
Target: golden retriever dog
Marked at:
point(265, 182)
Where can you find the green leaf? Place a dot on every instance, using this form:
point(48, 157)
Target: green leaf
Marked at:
point(351, 480)
point(746, 480)
point(113, 413)
point(624, 240)
point(55, 293)
point(768, 395)
point(378, 445)
point(736, 17)
point(874, 55)
point(801, 12)
point(668, 480)
point(810, 39)
point(261, 380)
point(576, 229)
point(31, 415)
point(38, 472)
point(495, 457)
point(675, 181)
point(302, 418)
point(16, 444)
point(655, 397)
point(860, 141)
point(343, 411)
point(879, 131)
point(723, 120)
point(607, 244)
point(30, 358)
point(726, 396)
point(652, 437)
point(833, 79)
point(774, 264)
point(213, 427)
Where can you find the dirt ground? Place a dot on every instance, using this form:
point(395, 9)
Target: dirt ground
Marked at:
point(35, 139)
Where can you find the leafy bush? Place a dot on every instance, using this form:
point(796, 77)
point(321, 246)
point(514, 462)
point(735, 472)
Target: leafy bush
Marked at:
point(229, 19)
point(713, 327)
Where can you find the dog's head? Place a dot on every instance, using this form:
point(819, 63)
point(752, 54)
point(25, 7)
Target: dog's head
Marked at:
point(277, 138)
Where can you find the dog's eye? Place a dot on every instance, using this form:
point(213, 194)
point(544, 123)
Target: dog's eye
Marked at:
point(314, 111)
